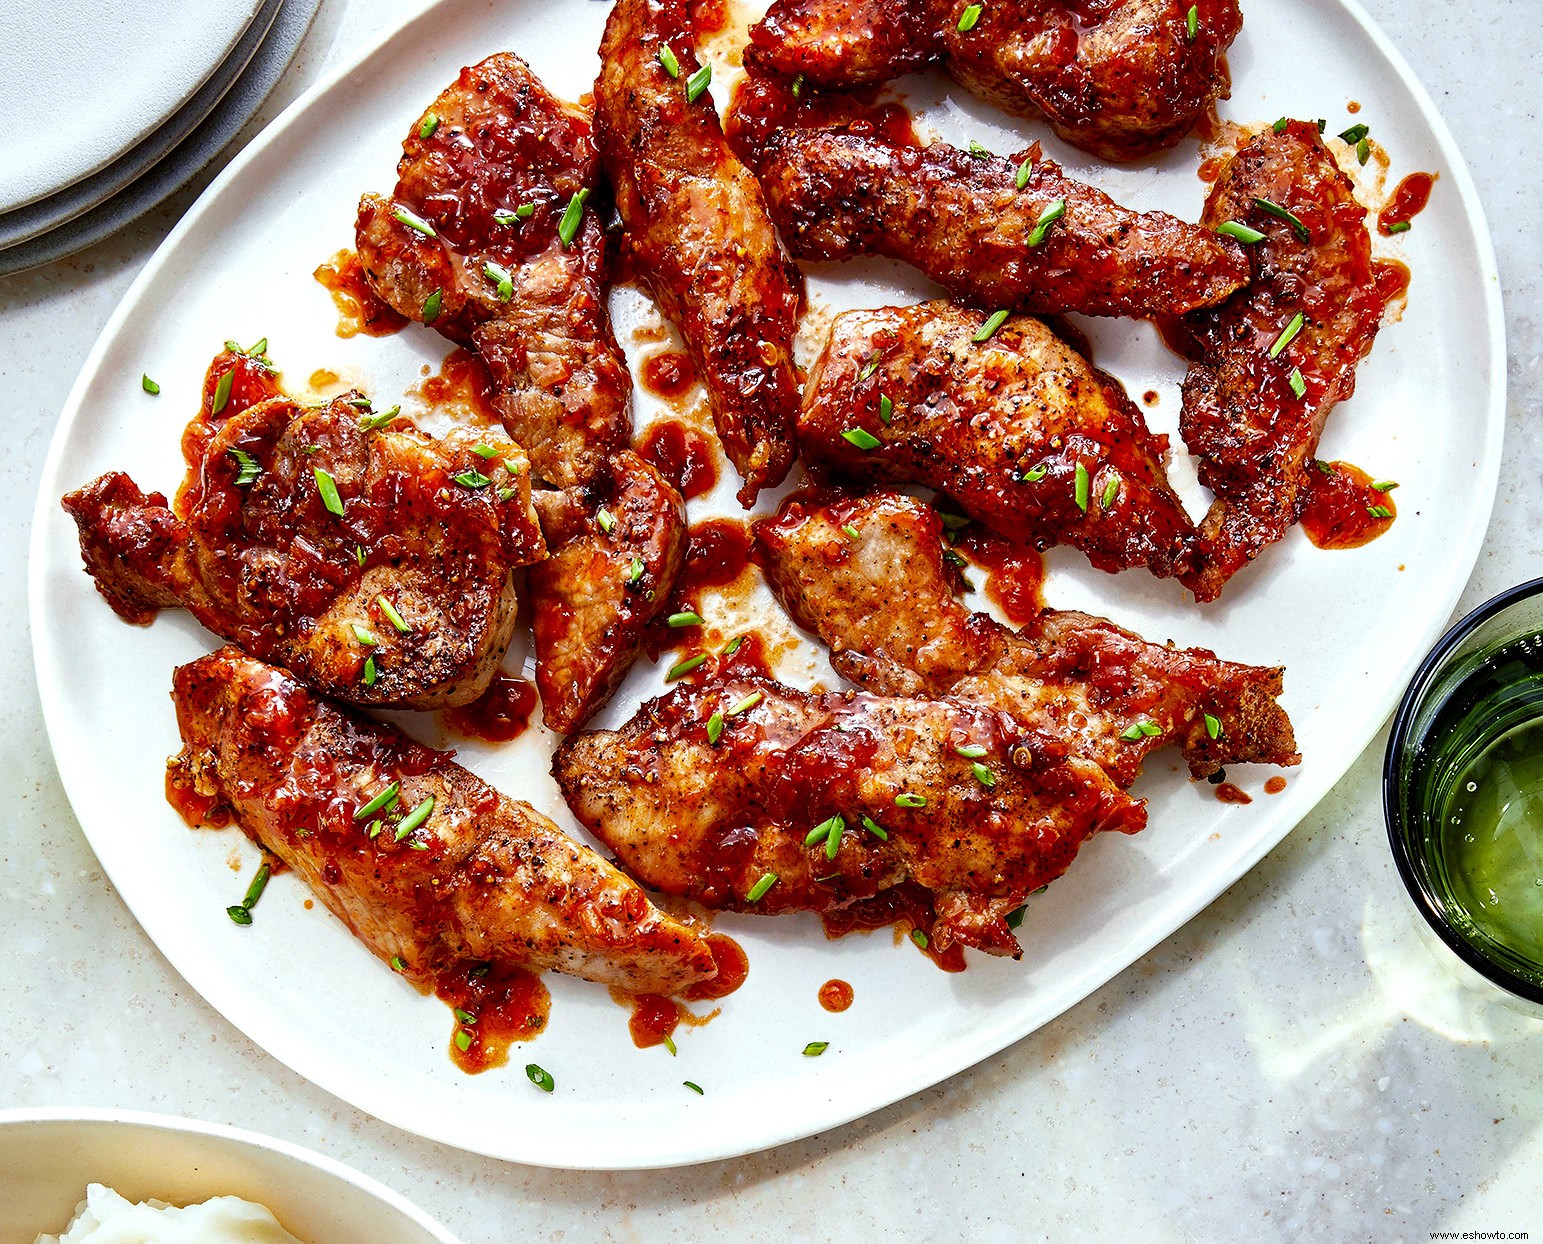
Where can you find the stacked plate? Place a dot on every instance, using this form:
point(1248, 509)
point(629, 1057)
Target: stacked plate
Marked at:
point(127, 103)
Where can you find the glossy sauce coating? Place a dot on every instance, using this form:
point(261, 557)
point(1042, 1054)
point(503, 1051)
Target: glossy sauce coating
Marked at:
point(683, 455)
point(1410, 197)
point(1015, 573)
point(1340, 500)
point(499, 715)
point(461, 386)
point(669, 374)
point(502, 1004)
point(360, 309)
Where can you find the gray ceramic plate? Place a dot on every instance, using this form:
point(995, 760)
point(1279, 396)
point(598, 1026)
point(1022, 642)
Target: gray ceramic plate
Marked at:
point(245, 96)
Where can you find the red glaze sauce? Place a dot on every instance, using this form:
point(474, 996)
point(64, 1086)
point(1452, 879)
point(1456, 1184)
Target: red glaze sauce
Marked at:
point(717, 553)
point(733, 967)
point(763, 105)
point(461, 384)
point(1150, 397)
point(835, 995)
point(1015, 573)
point(199, 811)
point(499, 714)
point(1275, 785)
point(251, 382)
point(669, 374)
point(1409, 199)
point(905, 906)
point(359, 309)
point(709, 16)
point(654, 1017)
point(505, 1005)
point(1392, 279)
point(683, 455)
point(1338, 511)
point(1228, 793)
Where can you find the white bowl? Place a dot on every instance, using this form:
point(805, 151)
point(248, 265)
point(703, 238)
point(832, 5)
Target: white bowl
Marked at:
point(47, 1157)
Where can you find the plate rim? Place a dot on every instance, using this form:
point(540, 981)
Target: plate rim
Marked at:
point(993, 1037)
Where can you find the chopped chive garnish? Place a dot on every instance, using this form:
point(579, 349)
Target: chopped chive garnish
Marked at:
point(689, 617)
point(398, 964)
point(328, 488)
point(715, 728)
point(815, 1048)
point(682, 668)
point(462, 1040)
point(1280, 213)
point(1363, 151)
point(1237, 230)
point(525, 211)
point(1053, 212)
point(669, 1044)
point(983, 774)
point(359, 555)
point(860, 438)
point(798, 86)
point(1288, 334)
point(430, 124)
point(695, 1088)
point(369, 672)
point(697, 83)
point(871, 366)
point(745, 705)
point(374, 422)
point(540, 1077)
point(886, 409)
point(506, 494)
point(1213, 726)
point(1325, 468)
point(1021, 177)
point(824, 830)
point(1355, 133)
point(257, 351)
point(1385, 485)
point(1379, 511)
point(838, 827)
point(955, 559)
point(874, 828)
point(1192, 22)
point(919, 938)
point(851, 532)
point(732, 646)
point(240, 915)
point(978, 151)
point(1297, 383)
point(1150, 729)
point(758, 890)
point(471, 478)
point(359, 403)
point(1081, 488)
point(484, 451)
point(465, 1017)
point(969, 17)
point(953, 522)
point(1140, 730)
point(415, 818)
point(414, 221)
point(1111, 490)
point(148, 385)
point(993, 322)
point(635, 569)
point(605, 520)
point(222, 392)
point(910, 801)
point(366, 636)
point(500, 277)
point(573, 215)
point(392, 616)
point(668, 60)
point(248, 471)
point(1399, 226)
point(1034, 474)
point(1015, 917)
point(1280, 125)
point(504, 216)
point(971, 751)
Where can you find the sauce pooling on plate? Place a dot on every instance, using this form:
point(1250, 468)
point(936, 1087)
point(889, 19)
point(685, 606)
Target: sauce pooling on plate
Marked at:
point(500, 714)
point(1346, 508)
point(360, 309)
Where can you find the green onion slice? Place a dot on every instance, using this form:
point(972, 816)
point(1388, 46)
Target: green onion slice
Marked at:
point(500, 277)
point(369, 676)
point(1081, 488)
point(983, 774)
point(385, 799)
point(745, 705)
point(1280, 213)
point(1213, 726)
point(971, 751)
point(148, 385)
point(366, 636)
point(682, 668)
point(715, 728)
point(1288, 334)
point(248, 470)
point(688, 618)
point(606, 521)
point(1297, 383)
point(392, 616)
point(860, 438)
point(1053, 212)
point(415, 818)
point(695, 1088)
point(540, 1077)
point(471, 478)
point(874, 828)
point(240, 915)
point(635, 569)
point(1192, 22)
point(815, 1048)
point(1399, 226)
point(414, 221)
point(430, 124)
point(222, 392)
point(462, 1040)
point(1021, 177)
point(987, 330)
point(969, 17)
point(886, 409)
point(378, 420)
point(759, 889)
point(910, 801)
point(573, 215)
point(328, 488)
point(1237, 230)
point(697, 83)
point(669, 61)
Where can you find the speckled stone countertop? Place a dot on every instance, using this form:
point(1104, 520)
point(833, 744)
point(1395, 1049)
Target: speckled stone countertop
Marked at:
point(1288, 1066)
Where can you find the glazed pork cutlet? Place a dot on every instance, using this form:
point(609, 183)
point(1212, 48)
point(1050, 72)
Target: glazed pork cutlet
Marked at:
point(995, 233)
point(746, 795)
point(885, 601)
point(1122, 79)
point(1273, 361)
point(491, 236)
point(1019, 428)
point(372, 560)
point(698, 230)
point(427, 865)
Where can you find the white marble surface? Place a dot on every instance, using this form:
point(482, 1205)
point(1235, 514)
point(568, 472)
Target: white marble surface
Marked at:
point(1288, 1066)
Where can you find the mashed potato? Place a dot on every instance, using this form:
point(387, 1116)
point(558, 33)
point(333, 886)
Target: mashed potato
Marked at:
point(104, 1217)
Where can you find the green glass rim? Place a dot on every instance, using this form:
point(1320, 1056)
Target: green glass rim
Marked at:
point(1402, 738)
